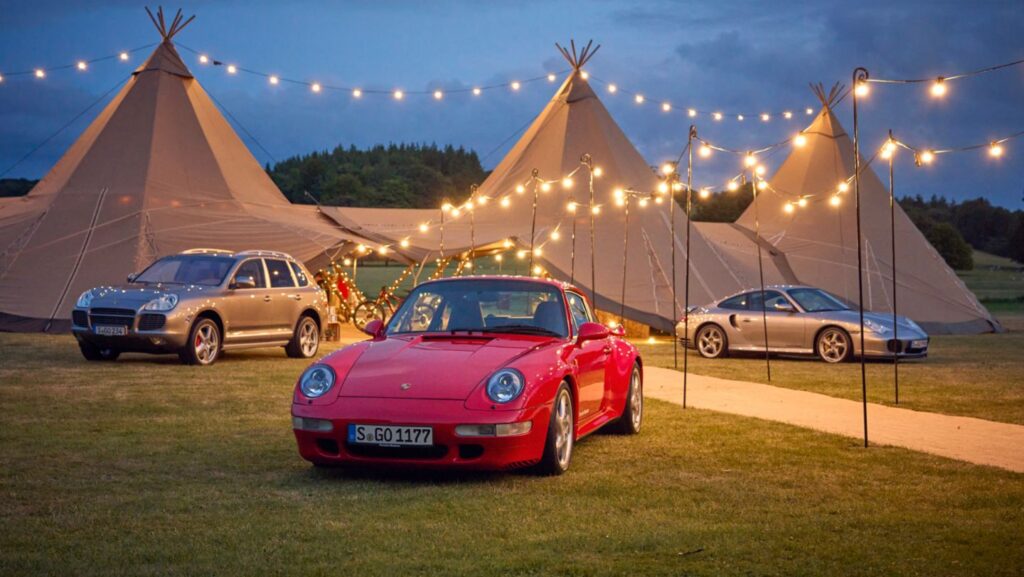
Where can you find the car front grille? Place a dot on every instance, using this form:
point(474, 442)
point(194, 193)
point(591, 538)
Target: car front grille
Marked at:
point(112, 317)
point(80, 318)
point(151, 322)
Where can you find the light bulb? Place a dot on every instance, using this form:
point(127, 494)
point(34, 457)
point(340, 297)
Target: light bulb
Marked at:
point(704, 193)
point(232, 69)
point(663, 187)
point(716, 115)
point(481, 200)
point(555, 235)
point(843, 186)
point(862, 89)
point(766, 117)
point(456, 212)
point(666, 107)
point(643, 202)
point(888, 149)
point(347, 261)
point(799, 140)
point(584, 74)
point(507, 243)
point(691, 113)
point(538, 252)
point(520, 189)
point(704, 151)
point(567, 182)
point(382, 250)
point(497, 257)
point(537, 270)
point(516, 85)
point(639, 98)
point(476, 91)
point(204, 59)
point(739, 117)
point(361, 248)
point(612, 88)
point(658, 200)
point(939, 87)
point(595, 210)
point(469, 264)
point(521, 254)
point(995, 150)
point(357, 93)
point(438, 95)
point(505, 202)
point(802, 202)
point(273, 80)
point(447, 207)
point(40, 73)
point(787, 114)
point(733, 186)
point(315, 87)
point(123, 56)
point(835, 200)
point(405, 243)
point(82, 65)
point(398, 94)
point(667, 168)
point(927, 156)
point(749, 160)
point(618, 193)
point(620, 201)
point(552, 78)
point(597, 171)
point(570, 206)
point(788, 207)
point(545, 186)
point(760, 170)
point(809, 111)
point(424, 227)
point(762, 185)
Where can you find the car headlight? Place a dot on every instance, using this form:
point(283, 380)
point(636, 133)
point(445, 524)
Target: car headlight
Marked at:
point(85, 299)
point(505, 385)
point(162, 303)
point(875, 327)
point(316, 381)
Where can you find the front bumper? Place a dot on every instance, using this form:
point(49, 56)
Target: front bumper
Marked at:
point(449, 451)
point(915, 347)
point(146, 332)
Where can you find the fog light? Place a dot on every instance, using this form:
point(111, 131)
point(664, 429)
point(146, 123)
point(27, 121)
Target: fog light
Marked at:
point(157, 341)
point(315, 425)
point(500, 430)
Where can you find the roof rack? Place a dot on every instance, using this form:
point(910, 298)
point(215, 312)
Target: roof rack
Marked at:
point(270, 253)
point(206, 251)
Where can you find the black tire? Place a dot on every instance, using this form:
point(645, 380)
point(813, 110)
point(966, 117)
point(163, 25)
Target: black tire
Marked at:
point(204, 343)
point(92, 352)
point(712, 342)
point(558, 452)
point(834, 345)
point(366, 312)
point(632, 416)
point(305, 339)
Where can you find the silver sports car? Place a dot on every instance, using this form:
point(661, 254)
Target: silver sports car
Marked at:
point(801, 320)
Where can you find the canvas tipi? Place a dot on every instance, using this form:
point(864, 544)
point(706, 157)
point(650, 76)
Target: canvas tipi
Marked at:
point(157, 172)
point(820, 244)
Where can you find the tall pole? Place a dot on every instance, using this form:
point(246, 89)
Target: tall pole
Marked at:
point(892, 234)
point(593, 249)
point(686, 282)
point(533, 223)
point(472, 225)
point(625, 255)
point(441, 245)
point(860, 75)
point(760, 269)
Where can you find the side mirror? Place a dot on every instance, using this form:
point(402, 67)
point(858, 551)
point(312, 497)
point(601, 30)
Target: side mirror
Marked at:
point(132, 277)
point(784, 308)
point(374, 328)
point(244, 282)
point(592, 332)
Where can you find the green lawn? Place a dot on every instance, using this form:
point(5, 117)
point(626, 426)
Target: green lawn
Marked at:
point(146, 467)
point(998, 282)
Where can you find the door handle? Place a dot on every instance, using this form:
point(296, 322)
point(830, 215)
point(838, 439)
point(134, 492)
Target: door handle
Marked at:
point(747, 321)
point(267, 299)
point(297, 297)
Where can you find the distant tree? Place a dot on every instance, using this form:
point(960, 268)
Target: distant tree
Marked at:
point(951, 245)
point(722, 206)
point(1015, 241)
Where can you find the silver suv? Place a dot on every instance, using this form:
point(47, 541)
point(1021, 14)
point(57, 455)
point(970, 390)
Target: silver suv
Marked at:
point(202, 302)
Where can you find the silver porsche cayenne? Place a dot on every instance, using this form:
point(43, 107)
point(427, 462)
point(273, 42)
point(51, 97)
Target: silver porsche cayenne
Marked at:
point(802, 320)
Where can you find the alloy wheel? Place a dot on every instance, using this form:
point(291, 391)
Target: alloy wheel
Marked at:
point(710, 341)
point(833, 346)
point(563, 423)
point(309, 338)
point(636, 400)
point(207, 344)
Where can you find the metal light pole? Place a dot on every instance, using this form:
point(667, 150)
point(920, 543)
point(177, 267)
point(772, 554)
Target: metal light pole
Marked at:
point(686, 283)
point(892, 231)
point(760, 267)
point(533, 222)
point(593, 249)
point(472, 225)
point(860, 75)
point(627, 195)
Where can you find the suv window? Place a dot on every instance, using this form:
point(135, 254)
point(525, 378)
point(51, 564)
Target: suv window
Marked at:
point(254, 268)
point(280, 273)
point(771, 297)
point(736, 303)
point(579, 309)
point(300, 275)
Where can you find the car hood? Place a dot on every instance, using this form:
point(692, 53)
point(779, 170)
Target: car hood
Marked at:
point(431, 367)
point(135, 296)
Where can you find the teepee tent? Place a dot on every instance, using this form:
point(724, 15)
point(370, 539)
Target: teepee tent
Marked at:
point(574, 123)
point(819, 241)
point(157, 172)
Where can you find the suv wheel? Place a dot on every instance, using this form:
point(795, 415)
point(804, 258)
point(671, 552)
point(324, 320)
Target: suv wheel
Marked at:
point(306, 340)
point(203, 346)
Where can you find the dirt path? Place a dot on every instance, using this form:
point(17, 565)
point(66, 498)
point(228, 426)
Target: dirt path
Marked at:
point(964, 438)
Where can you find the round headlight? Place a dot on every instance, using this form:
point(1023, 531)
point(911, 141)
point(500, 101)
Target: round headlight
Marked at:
point(164, 302)
point(875, 327)
point(505, 385)
point(85, 300)
point(316, 381)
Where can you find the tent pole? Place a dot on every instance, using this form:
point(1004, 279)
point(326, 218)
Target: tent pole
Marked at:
point(472, 225)
point(860, 75)
point(892, 232)
point(760, 270)
point(533, 222)
point(593, 257)
point(625, 255)
point(686, 283)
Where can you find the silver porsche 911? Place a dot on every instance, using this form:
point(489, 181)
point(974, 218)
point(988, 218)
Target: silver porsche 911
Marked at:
point(801, 320)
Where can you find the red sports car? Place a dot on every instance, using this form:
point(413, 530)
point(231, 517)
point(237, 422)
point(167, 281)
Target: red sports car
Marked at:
point(478, 373)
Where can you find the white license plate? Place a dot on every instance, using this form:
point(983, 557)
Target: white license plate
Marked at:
point(390, 435)
point(919, 344)
point(110, 331)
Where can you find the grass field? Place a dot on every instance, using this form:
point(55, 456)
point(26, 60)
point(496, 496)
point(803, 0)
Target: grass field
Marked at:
point(145, 467)
point(998, 282)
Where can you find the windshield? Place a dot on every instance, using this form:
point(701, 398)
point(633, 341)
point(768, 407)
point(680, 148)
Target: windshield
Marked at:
point(816, 300)
point(500, 306)
point(204, 269)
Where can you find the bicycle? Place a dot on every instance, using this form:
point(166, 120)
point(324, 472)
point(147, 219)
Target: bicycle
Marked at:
point(380, 308)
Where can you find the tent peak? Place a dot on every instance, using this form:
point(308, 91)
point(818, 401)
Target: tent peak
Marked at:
point(833, 97)
point(168, 32)
point(578, 59)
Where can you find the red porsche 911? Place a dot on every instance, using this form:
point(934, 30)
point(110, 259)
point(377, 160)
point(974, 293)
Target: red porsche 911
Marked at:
point(477, 373)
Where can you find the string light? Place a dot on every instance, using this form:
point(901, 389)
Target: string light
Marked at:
point(595, 210)
point(424, 227)
point(732, 186)
point(643, 202)
point(482, 200)
point(691, 113)
point(663, 188)
point(398, 94)
point(597, 171)
point(123, 56)
point(204, 59)
point(750, 159)
point(761, 185)
point(232, 69)
point(545, 186)
point(802, 202)
point(766, 117)
point(507, 243)
point(571, 206)
point(40, 73)
point(438, 95)
point(862, 89)
point(927, 156)
point(809, 111)
point(505, 202)
point(667, 168)
point(716, 115)
point(538, 252)
point(639, 98)
point(666, 107)
point(799, 140)
point(704, 151)
point(739, 117)
point(835, 200)
point(995, 150)
point(82, 65)
point(521, 254)
point(567, 182)
point(274, 80)
point(584, 75)
point(357, 93)
point(497, 258)
point(788, 207)
point(315, 87)
point(555, 235)
point(476, 91)
point(552, 77)
point(760, 170)
point(787, 115)
point(516, 85)
point(612, 88)
point(704, 193)
point(843, 187)
point(939, 87)
point(888, 149)
point(404, 243)
point(537, 270)
point(520, 189)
